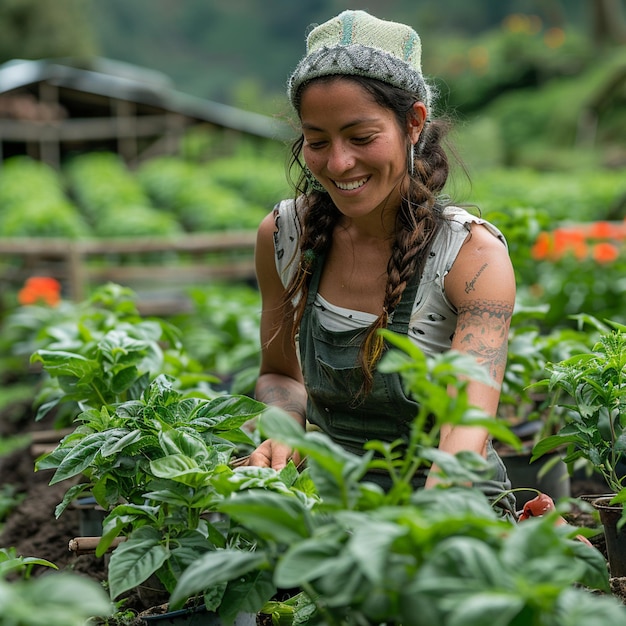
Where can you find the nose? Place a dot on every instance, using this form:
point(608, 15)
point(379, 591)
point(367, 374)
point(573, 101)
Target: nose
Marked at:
point(340, 158)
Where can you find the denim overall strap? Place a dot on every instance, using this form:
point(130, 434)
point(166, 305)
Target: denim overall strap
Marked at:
point(333, 381)
point(334, 378)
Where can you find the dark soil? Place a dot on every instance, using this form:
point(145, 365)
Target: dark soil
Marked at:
point(32, 529)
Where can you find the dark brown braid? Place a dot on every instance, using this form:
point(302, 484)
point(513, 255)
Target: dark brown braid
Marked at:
point(417, 222)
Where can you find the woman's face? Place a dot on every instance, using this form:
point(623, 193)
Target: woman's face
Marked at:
point(355, 147)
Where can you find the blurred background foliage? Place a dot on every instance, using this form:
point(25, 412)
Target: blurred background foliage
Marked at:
point(539, 80)
point(536, 88)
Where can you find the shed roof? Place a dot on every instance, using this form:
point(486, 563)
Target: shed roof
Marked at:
point(108, 78)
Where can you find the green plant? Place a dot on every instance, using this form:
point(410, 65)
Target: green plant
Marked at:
point(56, 599)
point(591, 387)
point(11, 562)
point(222, 333)
point(101, 352)
point(149, 463)
point(362, 556)
point(529, 350)
point(33, 202)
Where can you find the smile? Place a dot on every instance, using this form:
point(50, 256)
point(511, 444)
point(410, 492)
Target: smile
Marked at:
point(355, 184)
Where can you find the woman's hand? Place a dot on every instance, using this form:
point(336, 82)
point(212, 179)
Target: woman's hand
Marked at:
point(273, 454)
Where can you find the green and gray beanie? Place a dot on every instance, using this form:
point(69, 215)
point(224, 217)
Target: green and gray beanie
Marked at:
point(357, 44)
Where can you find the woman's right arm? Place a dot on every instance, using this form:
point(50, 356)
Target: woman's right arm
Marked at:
point(280, 379)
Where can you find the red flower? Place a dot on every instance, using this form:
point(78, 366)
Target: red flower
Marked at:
point(40, 289)
point(605, 252)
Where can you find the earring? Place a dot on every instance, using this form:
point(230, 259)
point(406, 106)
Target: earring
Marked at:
point(411, 159)
point(314, 184)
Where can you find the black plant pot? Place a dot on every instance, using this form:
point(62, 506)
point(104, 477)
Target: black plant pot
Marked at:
point(610, 514)
point(197, 616)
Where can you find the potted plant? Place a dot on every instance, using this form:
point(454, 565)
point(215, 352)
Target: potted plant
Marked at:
point(591, 388)
point(363, 556)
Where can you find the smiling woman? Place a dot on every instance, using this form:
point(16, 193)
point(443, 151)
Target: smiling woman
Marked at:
point(369, 243)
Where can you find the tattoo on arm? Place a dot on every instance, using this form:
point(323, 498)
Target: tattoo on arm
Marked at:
point(469, 286)
point(278, 395)
point(482, 330)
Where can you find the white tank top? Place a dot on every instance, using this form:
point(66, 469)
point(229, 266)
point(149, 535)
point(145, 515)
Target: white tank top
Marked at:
point(433, 320)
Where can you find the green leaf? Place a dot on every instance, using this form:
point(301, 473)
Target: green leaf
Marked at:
point(308, 560)
point(70, 495)
point(81, 456)
point(124, 379)
point(271, 515)
point(229, 412)
point(180, 468)
point(550, 443)
point(176, 441)
point(370, 546)
point(135, 560)
point(214, 568)
point(488, 607)
point(61, 363)
point(115, 446)
point(247, 594)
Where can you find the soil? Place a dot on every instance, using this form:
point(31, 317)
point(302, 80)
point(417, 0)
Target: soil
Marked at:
point(31, 527)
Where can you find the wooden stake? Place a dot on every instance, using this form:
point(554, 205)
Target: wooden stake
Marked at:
point(88, 545)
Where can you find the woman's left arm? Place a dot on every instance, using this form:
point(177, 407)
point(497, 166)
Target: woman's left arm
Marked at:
point(481, 285)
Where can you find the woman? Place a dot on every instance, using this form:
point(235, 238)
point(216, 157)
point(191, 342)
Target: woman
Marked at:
point(370, 244)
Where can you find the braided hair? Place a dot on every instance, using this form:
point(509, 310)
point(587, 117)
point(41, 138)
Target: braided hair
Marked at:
point(417, 222)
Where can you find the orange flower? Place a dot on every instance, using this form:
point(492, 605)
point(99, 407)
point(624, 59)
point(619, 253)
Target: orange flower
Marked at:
point(569, 240)
point(542, 247)
point(40, 289)
point(605, 252)
point(600, 230)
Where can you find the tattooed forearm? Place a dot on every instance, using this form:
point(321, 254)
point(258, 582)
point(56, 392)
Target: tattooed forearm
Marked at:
point(482, 329)
point(469, 286)
point(284, 393)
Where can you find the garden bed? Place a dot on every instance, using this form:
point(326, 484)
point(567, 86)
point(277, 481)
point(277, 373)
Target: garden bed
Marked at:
point(32, 529)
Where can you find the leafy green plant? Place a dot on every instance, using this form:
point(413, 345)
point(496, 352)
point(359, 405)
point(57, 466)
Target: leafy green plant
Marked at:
point(591, 387)
point(103, 352)
point(149, 463)
point(57, 599)
point(529, 350)
point(113, 200)
point(222, 333)
point(33, 202)
point(11, 562)
point(362, 556)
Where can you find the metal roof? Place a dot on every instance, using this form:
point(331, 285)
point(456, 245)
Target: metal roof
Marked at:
point(123, 81)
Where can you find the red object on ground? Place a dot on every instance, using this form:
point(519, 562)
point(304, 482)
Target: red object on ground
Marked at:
point(544, 504)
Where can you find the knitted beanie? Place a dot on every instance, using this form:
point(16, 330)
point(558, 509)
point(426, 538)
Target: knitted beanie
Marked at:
point(357, 44)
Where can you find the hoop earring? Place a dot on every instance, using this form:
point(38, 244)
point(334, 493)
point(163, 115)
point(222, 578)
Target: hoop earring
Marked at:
point(313, 183)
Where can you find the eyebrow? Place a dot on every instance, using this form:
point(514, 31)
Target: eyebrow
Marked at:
point(358, 122)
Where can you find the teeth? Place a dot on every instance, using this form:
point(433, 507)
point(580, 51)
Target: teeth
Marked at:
point(352, 185)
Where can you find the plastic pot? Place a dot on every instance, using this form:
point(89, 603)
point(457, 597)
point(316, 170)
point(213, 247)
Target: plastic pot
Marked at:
point(196, 617)
point(610, 515)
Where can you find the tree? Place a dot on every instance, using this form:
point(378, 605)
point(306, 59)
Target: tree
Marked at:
point(607, 22)
point(35, 29)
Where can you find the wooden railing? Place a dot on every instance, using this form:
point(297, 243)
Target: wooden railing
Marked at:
point(158, 269)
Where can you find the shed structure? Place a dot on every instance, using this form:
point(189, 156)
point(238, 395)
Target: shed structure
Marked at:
point(51, 109)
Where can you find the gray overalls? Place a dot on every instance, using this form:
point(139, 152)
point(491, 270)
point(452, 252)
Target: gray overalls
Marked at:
point(333, 380)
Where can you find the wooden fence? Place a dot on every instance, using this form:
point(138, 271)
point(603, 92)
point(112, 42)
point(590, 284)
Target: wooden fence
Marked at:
point(158, 269)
